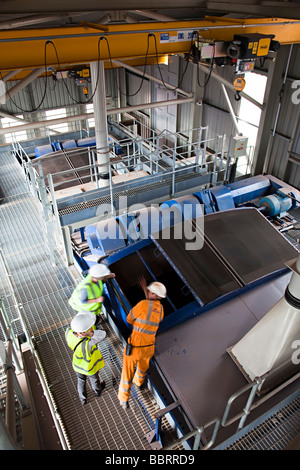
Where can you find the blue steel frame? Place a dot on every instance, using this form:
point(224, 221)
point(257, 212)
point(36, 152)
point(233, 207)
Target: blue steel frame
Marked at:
point(189, 311)
point(216, 199)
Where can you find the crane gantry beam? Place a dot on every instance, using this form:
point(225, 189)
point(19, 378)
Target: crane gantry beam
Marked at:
point(34, 48)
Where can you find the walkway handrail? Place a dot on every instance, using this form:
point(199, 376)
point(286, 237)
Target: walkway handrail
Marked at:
point(218, 422)
point(39, 370)
point(155, 159)
point(12, 388)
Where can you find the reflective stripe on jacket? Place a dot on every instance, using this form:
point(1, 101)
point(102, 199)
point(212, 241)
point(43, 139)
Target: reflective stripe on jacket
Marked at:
point(145, 318)
point(85, 361)
point(93, 289)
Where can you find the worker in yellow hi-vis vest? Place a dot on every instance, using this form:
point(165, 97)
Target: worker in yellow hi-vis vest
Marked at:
point(83, 339)
point(145, 318)
point(88, 295)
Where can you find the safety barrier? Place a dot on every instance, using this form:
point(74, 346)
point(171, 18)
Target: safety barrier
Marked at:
point(10, 335)
point(219, 423)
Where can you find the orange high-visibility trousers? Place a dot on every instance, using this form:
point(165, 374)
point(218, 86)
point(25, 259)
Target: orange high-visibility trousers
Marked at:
point(134, 369)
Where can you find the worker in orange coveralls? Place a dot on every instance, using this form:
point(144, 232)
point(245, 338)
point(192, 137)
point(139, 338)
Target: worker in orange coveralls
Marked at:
point(145, 318)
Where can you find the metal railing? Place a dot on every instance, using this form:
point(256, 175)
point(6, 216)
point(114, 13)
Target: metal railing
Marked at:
point(219, 423)
point(10, 335)
point(30, 172)
point(152, 154)
point(156, 153)
point(180, 159)
point(7, 352)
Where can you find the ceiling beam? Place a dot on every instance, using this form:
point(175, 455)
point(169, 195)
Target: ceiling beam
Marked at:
point(21, 84)
point(34, 19)
point(152, 78)
point(282, 9)
point(79, 45)
point(55, 6)
point(80, 117)
point(154, 15)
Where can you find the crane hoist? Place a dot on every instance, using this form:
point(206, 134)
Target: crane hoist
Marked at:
point(241, 53)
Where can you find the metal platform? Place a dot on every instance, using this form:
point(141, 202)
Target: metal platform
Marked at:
point(277, 431)
point(30, 284)
point(205, 376)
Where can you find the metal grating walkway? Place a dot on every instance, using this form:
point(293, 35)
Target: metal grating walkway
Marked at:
point(165, 181)
point(275, 433)
point(29, 283)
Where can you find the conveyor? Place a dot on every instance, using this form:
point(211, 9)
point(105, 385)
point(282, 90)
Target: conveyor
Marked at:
point(268, 194)
point(231, 259)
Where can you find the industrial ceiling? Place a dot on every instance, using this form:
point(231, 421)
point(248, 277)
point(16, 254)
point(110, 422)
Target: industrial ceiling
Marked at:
point(25, 27)
point(18, 13)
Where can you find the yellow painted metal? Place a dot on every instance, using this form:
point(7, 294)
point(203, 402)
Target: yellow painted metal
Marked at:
point(94, 26)
point(239, 84)
point(79, 45)
point(107, 65)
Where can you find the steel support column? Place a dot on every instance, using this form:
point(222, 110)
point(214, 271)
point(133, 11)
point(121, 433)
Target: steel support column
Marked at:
point(197, 106)
point(264, 142)
point(100, 115)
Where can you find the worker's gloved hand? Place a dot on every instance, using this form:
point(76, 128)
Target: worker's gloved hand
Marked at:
point(142, 282)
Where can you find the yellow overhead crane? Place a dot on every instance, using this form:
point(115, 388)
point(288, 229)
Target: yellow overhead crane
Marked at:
point(29, 49)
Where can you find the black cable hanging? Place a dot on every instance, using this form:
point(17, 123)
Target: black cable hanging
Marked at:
point(97, 80)
point(63, 79)
point(183, 74)
point(49, 42)
point(45, 88)
point(210, 70)
point(144, 72)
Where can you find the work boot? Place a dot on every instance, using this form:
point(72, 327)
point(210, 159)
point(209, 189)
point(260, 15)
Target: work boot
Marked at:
point(102, 385)
point(124, 404)
point(142, 386)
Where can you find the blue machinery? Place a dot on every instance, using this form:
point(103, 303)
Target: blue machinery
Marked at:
point(270, 195)
point(224, 285)
point(66, 145)
point(69, 144)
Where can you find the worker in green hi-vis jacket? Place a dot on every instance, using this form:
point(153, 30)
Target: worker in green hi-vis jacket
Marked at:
point(88, 295)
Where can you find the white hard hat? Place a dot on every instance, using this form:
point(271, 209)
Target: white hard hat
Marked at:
point(99, 270)
point(83, 321)
point(158, 288)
